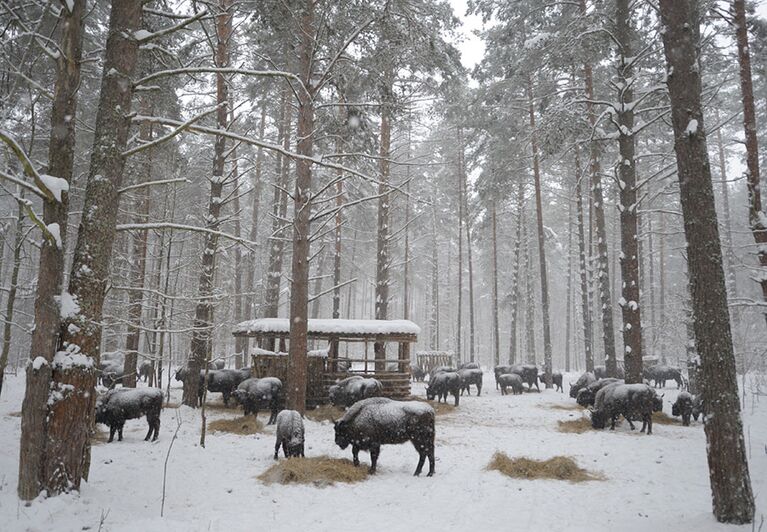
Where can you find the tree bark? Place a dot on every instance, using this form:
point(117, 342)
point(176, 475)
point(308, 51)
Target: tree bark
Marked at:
point(547, 350)
point(434, 344)
point(296, 393)
point(757, 219)
point(202, 335)
point(18, 243)
point(585, 307)
point(459, 326)
point(530, 302)
point(67, 453)
point(139, 245)
point(627, 183)
point(467, 225)
point(516, 274)
point(603, 270)
point(732, 285)
point(240, 342)
point(383, 261)
point(733, 500)
point(496, 338)
point(568, 296)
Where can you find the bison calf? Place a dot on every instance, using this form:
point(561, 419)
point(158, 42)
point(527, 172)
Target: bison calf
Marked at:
point(378, 421)
point(683, 407)
point(510, 380)
point(117, 406)
point(290, 434)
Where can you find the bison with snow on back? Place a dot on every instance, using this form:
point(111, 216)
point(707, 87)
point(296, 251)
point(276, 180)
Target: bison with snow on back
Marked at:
point(442, 384)
point(511, 380)
point(529, 374)
point(254, 394)
point(468, 377)
point(632, 401)
point(117, 406)
point(145, 370)
point(500, 370)
point(469, 365)
point(417, 373)
point(586, 396)
point(600, 372)
point(377, 421)
point(660, 374)
point(583, 381)
point(225, 381)
point(352, 389)
point(556, 380)
point(683, 407)
point(440, 369)
point(290, 434)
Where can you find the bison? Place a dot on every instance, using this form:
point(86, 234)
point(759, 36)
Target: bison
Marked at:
point(117, 406)
point(632, 401)
point(511, 380)
point(468, 377)
point(290, 434)
point(254, 394)
point(587, 395)
point(683, 407)
point(377, 421)
point(583, 381)
point(442, 384)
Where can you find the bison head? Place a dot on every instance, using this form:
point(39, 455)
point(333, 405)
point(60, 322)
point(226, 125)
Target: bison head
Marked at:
point(585, 397)
point(343, 438)
point(239, 396)
point(430, 392)
point(657, 403)
point(598, 419)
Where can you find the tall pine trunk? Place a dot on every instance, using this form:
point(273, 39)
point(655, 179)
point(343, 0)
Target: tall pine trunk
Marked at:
point(18, 243)
point(547, 350)
point(582, 267)
point(516, 274)
point(757, 219)
point(467, 225)
point(299, 300)
point(627, 183)
point(733, 500)
point(496, 339)
point(202, 335)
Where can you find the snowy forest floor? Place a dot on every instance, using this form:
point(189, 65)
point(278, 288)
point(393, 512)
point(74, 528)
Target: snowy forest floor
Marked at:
point(658, 482)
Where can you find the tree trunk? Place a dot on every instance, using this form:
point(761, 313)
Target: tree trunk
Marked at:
point(383, 261)
point(530, 357)
point(139, 245)
point(496, 338)
point(603, 270)
point(467, 225)
point(459, 172)
point(240, 342)
point(279, 212)
point(296, 388)
point(250, 257)
point(338, 234)
point(757, 219)
point(568, 297)
point(662, 284)
point(516, 274)
point(733, 499)
point(434, 343)
point(67, 452)
point(627, 183)
point(202, 336)
point(547, 350)
point(44, 343)
point(18, 243)
point(726, 222)
point(585, 307)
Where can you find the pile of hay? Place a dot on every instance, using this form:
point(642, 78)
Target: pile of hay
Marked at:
point(569, 407)
point(556, 468)
point(325, 413)
point(661, 418)
point(320, 471)
point(243, 425)
point(575, 426)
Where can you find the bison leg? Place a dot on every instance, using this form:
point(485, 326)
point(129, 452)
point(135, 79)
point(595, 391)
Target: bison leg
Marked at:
point(375, 450)
point(226, 398)
point(631, 424)
point(285, 450)
point(649, 424)
point(536, 387)
point(112, 430)
point(151, 429)
point(356, 455)
point(456, 398)
point(421, 460)
point(120, 431)
point(277, 449)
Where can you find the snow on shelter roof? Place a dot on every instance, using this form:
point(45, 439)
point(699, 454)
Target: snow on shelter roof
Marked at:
point(326, 328)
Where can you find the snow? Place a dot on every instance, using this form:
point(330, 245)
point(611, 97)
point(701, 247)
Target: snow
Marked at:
point(69, 305)
point(38, 363)
point(657, 482)
point(55, 184)
point(330, 326)
point(142, 35)
point(55, 230)
point(64, 360)
point(692, 127)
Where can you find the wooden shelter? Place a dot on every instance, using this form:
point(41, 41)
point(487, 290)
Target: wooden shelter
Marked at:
point(325, 369)
point(428, 360)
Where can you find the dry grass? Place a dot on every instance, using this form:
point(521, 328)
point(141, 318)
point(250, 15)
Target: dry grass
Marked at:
point(320, 471)
point(563, 406)
point(13, 414)
point(325, 413)
point(575, 426)
point(244, 425)
point(556, 468)
point(440, 409)
point(661, 418)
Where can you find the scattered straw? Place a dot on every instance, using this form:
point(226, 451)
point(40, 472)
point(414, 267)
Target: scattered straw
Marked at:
point(243, 425)
point(661, 418)
point(556, 468)
point(563, 406)
point(325, 413)
point(320, 471)
point(577, 426)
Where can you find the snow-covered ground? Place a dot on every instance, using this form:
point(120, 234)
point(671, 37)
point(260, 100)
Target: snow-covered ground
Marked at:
point(652, 483)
